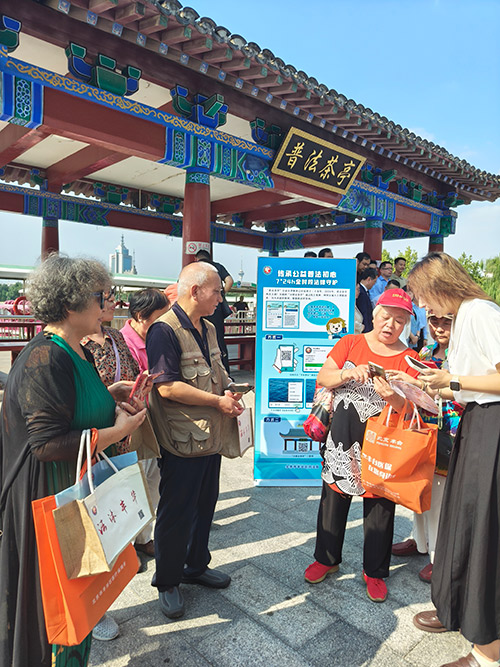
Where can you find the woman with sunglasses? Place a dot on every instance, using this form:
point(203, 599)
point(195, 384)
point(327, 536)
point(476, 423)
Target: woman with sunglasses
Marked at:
point(111, 355)
point(53, 392)
point(425, 525)
point(466, 571)
point(114, 363)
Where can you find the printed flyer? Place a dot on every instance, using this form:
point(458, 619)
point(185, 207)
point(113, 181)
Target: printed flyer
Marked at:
point(304, 306)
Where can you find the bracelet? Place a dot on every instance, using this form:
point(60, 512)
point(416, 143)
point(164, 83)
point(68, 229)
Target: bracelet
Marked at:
point(341, 371)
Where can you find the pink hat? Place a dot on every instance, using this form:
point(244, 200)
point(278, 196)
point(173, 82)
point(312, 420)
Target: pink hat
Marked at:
point(396, 298)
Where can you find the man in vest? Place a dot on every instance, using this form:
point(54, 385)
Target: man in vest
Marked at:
point(192, 413)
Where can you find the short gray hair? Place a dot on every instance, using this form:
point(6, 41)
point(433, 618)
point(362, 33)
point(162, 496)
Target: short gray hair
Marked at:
point(62, 283)
point(378, 308)
point(197, 273)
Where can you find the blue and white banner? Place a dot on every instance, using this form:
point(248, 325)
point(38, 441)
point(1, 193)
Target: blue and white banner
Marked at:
point(304, 306)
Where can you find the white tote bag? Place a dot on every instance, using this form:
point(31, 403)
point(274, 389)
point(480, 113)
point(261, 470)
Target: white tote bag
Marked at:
point(93, 531)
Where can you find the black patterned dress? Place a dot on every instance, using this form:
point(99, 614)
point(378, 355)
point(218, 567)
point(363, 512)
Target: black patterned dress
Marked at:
point(354, 403)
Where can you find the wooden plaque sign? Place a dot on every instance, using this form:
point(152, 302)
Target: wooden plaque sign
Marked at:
point(312, 160)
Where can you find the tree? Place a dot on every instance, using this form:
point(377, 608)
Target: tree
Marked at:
point(491, 279)
point(10, 291)
point(473, 268)
point(410, 255)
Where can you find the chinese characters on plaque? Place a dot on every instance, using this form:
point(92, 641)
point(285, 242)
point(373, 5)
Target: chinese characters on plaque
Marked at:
point(309, 159)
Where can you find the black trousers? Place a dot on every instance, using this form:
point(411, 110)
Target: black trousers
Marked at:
point(378, 526)
point(189, 488)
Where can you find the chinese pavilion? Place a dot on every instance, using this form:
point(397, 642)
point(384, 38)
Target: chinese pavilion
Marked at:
point(144, 115)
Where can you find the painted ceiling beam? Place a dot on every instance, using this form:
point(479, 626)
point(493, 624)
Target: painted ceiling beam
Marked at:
point(16, 140)
point(242, 203)
point(283, 212)
point(69, 116)
point(82, 163)
point(295, 189)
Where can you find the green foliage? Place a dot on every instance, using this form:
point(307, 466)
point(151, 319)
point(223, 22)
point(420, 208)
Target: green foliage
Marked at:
point(491, 279)
point(473, 268)
point(11, 291)
point(410, 255)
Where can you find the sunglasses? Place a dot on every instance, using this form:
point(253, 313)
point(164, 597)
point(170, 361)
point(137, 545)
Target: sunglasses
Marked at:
point(437, 321)
point(104, 296)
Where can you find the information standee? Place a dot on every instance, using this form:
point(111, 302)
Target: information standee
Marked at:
point(304, 306)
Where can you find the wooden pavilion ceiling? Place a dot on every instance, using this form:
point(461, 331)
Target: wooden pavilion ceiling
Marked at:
point(196, 44)
point(177, 46)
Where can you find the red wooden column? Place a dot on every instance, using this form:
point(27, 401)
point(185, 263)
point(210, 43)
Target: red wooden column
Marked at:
point(436, 243)
point(372, 243)
point(196, 214)
point(50, 236)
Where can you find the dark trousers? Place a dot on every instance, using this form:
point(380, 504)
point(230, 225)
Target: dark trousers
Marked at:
point(189, 488)
point(378, 526)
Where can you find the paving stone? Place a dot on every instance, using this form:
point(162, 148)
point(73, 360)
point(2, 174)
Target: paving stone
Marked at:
point(290, 615)
point(246, 643)
point(344, 644)
point(146, 644)
point(437, 649)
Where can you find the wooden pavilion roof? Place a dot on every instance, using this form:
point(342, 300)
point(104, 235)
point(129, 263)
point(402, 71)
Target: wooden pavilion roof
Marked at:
point(203, 49)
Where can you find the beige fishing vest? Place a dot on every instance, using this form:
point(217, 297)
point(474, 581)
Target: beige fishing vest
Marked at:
point(194, 430)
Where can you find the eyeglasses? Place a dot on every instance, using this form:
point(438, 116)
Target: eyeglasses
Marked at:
point(439, 321)
point(104, 296)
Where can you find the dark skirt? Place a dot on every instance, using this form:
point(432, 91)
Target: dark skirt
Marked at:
point(466, 571)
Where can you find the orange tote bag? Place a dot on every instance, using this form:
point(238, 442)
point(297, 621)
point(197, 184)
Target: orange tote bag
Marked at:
point(398, 458)
point(72, 607)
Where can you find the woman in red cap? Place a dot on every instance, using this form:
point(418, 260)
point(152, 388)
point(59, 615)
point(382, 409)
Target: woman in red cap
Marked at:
point(358, 397)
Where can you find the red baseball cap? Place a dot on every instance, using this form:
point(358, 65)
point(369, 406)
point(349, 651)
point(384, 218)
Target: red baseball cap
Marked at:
point(396, 298)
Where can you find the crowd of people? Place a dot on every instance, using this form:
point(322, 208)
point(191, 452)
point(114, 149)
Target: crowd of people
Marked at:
point(77, 374)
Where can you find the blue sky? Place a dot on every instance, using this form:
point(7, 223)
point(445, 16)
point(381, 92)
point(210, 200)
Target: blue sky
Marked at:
point(430, 65)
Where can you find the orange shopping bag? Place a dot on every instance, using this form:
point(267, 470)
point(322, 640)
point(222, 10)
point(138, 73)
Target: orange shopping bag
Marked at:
point(398, 458)
point(72, 607)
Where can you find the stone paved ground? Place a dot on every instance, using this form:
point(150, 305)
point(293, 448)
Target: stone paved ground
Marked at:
point(264, 537)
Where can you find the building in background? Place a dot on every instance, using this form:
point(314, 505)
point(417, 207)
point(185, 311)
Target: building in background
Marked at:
point(121, 261)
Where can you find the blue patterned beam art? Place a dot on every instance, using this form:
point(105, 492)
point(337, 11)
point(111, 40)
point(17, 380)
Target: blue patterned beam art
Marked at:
point(188, 151)
point(21, 101)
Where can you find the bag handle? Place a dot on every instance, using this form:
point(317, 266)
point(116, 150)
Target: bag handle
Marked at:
point(85, 444)
point(385, 416)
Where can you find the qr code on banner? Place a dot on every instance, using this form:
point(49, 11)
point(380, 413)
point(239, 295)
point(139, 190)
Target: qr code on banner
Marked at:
point(286, 355)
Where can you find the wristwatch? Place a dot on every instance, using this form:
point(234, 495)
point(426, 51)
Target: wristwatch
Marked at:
point(455, 384)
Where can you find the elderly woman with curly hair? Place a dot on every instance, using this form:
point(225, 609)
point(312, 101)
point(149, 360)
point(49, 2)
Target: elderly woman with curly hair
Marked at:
point(52, 393)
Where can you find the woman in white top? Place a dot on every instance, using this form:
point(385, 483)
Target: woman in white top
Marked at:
point(466, 573)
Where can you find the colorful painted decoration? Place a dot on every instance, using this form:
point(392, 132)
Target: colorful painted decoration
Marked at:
point(9, 32)
point(207, 111)
point(111, 194)
point(165, 204)
point(102, 74)
point(266, 135)
point(377, 177)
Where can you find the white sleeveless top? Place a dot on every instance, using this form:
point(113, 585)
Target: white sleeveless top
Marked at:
point(475, 346)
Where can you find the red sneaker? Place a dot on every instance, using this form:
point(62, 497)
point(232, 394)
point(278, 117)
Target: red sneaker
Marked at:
point(425, 573)
point(375, 588)
point(317, 572)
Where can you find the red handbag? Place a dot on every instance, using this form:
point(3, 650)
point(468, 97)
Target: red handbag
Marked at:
point(317, 425)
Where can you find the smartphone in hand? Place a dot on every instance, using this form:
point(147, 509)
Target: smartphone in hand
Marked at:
point(239, 388)
point(376, 369)
point(419, 365)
